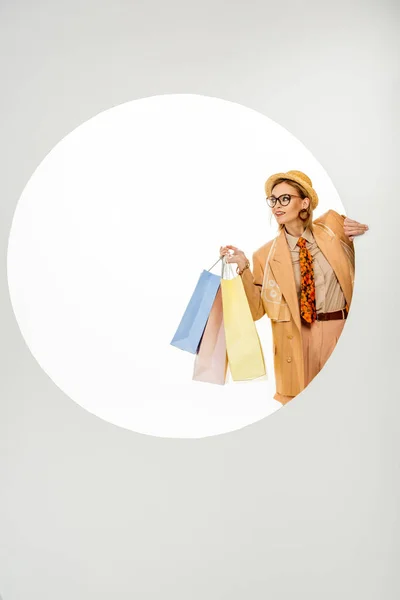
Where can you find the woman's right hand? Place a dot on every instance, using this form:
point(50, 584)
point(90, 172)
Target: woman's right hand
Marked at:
point(234, 255)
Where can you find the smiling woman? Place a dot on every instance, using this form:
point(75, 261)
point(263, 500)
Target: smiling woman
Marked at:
point(302, 279)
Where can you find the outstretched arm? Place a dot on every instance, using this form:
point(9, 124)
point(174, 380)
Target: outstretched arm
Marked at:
point(347, 229)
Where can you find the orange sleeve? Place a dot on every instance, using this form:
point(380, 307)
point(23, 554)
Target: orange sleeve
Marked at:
point(335, 221)
point(252, 283)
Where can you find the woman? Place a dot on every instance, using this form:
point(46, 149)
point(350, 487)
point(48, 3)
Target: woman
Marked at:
point(303, 280)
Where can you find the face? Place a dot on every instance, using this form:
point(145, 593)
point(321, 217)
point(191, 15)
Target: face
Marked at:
point(288, 214)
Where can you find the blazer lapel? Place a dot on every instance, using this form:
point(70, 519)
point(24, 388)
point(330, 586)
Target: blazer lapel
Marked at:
point(282, 268)
point(329, 245)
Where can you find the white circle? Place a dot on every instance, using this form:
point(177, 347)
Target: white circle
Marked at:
point(108, 241)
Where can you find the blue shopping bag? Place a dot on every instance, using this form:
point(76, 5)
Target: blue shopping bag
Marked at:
point(192, 325)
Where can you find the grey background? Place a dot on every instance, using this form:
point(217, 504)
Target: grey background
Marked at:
point(300, 505)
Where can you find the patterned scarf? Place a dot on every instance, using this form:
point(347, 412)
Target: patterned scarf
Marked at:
point(307, 297)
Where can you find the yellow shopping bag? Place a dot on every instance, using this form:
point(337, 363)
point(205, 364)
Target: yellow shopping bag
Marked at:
point(243, 346)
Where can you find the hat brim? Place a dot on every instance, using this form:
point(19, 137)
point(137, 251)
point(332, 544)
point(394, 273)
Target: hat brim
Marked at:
point(311, 193)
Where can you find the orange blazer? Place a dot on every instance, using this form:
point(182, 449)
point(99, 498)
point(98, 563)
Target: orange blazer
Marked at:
point(286, 332)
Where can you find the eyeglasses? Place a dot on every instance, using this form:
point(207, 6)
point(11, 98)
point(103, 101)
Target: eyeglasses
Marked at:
point(284, 199)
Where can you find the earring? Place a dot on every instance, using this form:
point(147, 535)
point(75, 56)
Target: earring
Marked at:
point(303, 214)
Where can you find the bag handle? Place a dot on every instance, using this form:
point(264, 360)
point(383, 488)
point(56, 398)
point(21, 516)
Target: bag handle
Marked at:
point(220, 258)
point(225, 266)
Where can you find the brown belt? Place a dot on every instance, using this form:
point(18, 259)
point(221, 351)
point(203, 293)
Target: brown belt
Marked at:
point(332, 316)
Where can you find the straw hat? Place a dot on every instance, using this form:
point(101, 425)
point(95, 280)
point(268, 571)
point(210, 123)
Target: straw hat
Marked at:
point(297, 177)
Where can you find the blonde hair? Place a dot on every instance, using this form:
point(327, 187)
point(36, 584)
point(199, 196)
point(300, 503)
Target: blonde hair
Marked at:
point(303, 194)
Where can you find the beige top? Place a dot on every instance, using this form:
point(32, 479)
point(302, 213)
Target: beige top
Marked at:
point(328, 293)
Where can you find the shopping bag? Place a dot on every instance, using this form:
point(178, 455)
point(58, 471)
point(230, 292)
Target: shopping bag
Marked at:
point(190, 330)
point(211, 361)
point(245, 355)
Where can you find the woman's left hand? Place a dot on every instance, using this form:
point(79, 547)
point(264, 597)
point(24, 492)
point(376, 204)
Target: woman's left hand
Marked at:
point(353, 228)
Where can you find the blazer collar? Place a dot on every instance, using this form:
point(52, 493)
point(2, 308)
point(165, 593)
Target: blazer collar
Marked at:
point(282, 268)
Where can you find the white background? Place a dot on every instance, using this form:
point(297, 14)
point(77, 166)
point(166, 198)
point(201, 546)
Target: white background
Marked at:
point(108, 241)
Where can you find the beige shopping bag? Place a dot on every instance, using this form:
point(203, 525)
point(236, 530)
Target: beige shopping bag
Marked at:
point(211, 361)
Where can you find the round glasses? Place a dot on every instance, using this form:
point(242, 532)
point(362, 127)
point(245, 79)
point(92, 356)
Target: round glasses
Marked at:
point(284, 199)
